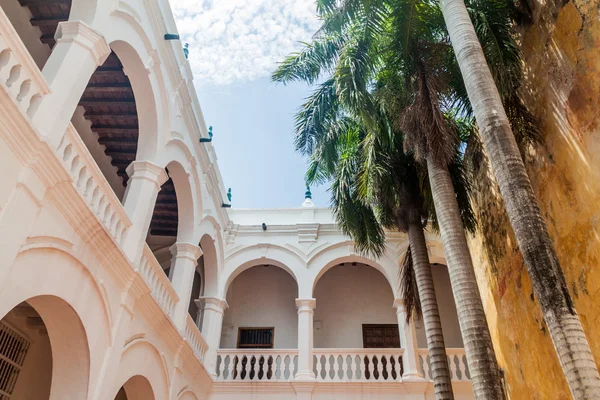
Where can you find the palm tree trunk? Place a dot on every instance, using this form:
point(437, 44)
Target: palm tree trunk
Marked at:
point(530, 230)
point(471, 317)
point(442, 383)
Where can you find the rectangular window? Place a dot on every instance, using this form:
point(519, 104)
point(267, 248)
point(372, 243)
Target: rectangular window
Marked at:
point(13, 348)
point(382, 336)
point(255, 338)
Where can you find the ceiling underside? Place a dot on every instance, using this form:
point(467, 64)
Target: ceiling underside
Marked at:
point(109, 104)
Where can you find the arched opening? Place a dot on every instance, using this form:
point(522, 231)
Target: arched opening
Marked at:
point(43, 351)
point(262, 310)
point(136, 388)
point(355, 311)
point(35, 21)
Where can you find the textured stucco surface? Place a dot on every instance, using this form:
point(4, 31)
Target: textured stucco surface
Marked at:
point(562, 63)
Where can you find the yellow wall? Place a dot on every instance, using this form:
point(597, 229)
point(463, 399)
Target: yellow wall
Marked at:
point(562, 63)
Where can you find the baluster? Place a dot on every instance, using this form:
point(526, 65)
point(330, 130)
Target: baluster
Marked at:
point(276, 368)
point(327, 366)
point(379, 367)
point(462, 364)
point(239, 362)
point(318, 367)
point(294, 361)
point(388, 366)
point(352, 372)
point(221, 369)
point(230, 367)
point(345, 375)
point(362, 366)
point(452, 364)
point(371, 359)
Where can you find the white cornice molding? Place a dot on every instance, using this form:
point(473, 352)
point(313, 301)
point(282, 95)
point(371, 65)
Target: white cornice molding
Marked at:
point(88, 38)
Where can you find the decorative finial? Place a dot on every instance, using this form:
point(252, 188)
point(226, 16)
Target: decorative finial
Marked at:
point(209, 138)
point(186, 50)
point(229, 194)
point(307, 194)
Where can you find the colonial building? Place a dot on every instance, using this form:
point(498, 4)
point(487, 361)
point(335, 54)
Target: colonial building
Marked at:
point(125, 274)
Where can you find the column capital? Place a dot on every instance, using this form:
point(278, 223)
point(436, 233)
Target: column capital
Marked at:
point(399, 305)
point(147, 170)
point(304, 305)
point(79, 32)
point(186, 250)
point(212, 303)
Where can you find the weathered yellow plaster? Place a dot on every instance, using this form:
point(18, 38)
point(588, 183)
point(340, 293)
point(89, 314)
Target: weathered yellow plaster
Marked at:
point(562, 88)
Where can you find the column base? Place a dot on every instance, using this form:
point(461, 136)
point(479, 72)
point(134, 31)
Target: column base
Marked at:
point(305, 376)
point(304, 389)
point(413, 377)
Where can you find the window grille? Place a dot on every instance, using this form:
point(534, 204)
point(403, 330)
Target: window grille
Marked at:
point(255, 338)
point(13, 348)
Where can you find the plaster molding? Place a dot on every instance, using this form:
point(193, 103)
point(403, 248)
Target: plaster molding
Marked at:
point(147, 170)
point(306, 305)
point(79, 32)
point(186, 250)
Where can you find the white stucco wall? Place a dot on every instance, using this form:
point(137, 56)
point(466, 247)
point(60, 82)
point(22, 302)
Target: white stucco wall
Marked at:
point(347, 297)
point(262, 297)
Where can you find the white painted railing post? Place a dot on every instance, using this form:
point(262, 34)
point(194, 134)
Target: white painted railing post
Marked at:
point(78, 52)
point(212, 322)
point(183, 265)
point(408, 341)
point(145, 180)
point(306, 311)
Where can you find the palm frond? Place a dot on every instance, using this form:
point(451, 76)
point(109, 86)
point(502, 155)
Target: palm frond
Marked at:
point(409, 290)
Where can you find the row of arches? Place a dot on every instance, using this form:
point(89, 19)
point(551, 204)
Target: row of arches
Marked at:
point(58, 332)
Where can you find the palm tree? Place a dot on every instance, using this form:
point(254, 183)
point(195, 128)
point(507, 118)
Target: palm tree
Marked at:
point(376, 186)
point(548, 281)
point(358, 41)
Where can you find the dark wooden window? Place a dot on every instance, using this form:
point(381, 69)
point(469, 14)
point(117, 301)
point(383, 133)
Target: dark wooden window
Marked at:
point(382, 336)
point(255, 338)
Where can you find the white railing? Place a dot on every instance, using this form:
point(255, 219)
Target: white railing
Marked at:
point(358, 364)
point(159, 284)
point(256, 365)
point(457, 361)
point(18, 71)
point(92, 185)
point(194, 338)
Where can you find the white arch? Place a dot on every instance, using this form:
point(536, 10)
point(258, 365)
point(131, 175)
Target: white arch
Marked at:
point(187, 394)
point(212, 248)
point(344, 252)
point(186, 211)
point(140, 358)
point(251, 256)
point(41, 274)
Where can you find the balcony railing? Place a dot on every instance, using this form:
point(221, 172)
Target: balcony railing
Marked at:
point(194, 338)
point(256, 365)
point(160, 286)
point(18, 71)
point(92, 185)
point(358, 364)
point(457, 361)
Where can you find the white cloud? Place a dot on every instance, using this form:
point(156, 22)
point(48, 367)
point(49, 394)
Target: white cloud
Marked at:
point(239, 40)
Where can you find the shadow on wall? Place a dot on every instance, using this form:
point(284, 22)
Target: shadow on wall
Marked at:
point(562, 89)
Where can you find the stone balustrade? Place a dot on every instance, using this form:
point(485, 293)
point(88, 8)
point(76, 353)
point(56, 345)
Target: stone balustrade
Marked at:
point(256, 365)
point(358, 364)
point(195, 339)
point(92, 185)
point(457, 362)
point(19, 73)
point(160, 286)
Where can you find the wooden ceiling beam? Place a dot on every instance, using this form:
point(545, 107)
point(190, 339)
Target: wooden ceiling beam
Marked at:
point(107, 102)
point(121, 141)
point(111, 115)
point(46, 20)
point(108, 72)
point(27, 3)
point(47, 38)
point(108, 88)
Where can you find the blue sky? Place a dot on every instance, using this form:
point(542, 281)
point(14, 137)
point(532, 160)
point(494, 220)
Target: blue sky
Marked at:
point(234, 47)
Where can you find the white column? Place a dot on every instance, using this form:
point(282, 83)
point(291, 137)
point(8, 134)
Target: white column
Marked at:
point(145, 180)
point(306, 311)
point(408, 341)
point(213, 310)
point(183, 265)
point(79, 50)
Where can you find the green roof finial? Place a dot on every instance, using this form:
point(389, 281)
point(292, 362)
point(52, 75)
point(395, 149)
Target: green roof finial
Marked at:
point(307, 194)
point(229, 194)
point(210, 136)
